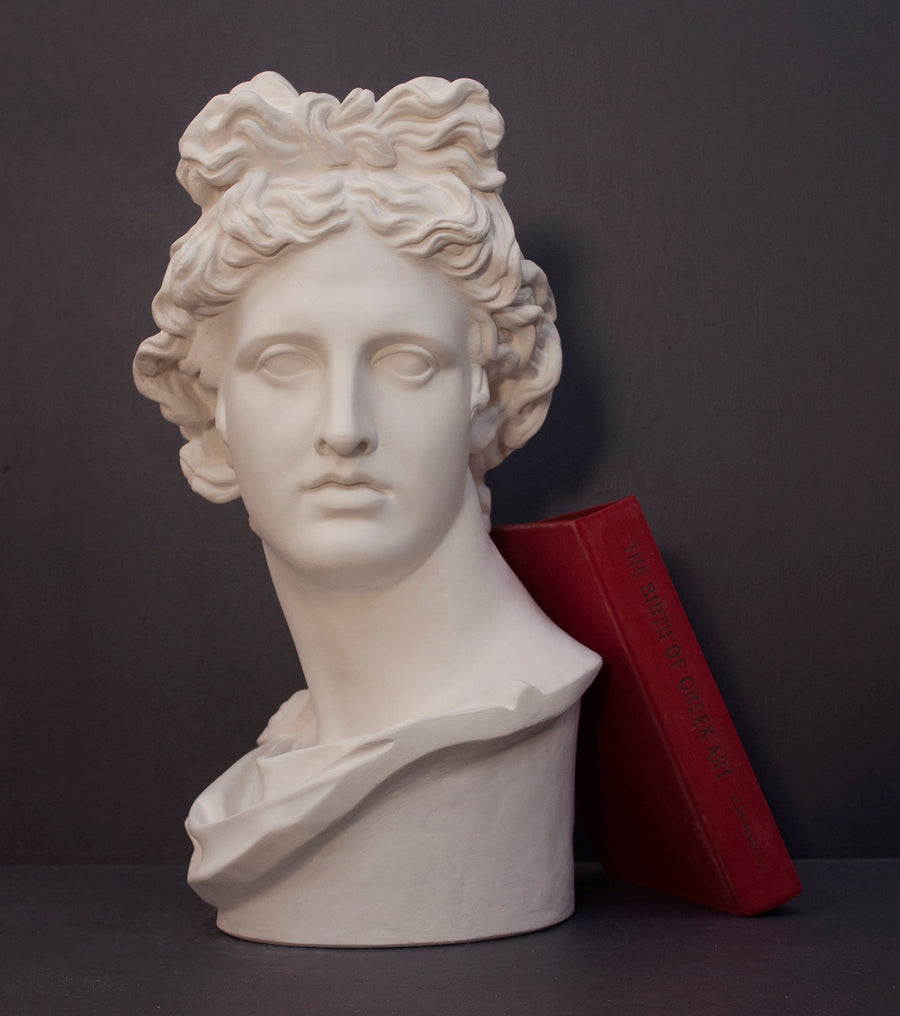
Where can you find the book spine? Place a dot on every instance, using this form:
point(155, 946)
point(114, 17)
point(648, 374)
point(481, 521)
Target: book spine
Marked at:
point(729, 805)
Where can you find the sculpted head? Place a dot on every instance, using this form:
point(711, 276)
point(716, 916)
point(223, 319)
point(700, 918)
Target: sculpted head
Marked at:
point(287, 180)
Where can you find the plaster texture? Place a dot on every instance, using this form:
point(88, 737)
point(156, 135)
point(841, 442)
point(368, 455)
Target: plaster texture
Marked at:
point(349, 339)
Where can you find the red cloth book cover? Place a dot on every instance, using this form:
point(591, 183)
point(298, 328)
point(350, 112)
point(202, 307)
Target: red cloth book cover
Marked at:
point(664, 786)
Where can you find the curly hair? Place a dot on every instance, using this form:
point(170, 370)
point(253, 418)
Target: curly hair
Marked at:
point(272, 169)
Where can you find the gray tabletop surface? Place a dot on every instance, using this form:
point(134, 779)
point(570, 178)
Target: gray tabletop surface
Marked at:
point(134, 940)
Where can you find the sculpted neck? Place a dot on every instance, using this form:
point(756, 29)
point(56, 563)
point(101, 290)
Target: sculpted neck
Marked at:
point(455, 625)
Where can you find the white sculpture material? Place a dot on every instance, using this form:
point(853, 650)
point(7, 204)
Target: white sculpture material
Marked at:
point(349, 339)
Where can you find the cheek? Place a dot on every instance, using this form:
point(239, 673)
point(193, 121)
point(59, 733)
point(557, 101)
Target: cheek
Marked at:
point(261, 443)
point(429, 453)
point(433, 423)
point(259, 419)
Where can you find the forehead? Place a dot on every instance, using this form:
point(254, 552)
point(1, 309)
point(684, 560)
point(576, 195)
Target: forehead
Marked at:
point(351, 282)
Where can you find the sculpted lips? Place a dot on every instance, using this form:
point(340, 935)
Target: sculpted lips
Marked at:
point(335, 481)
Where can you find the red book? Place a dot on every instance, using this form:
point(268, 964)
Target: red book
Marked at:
point(664, 786)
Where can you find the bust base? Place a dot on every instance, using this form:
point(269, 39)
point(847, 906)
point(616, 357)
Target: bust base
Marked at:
point(470, 841)
point(391, 945)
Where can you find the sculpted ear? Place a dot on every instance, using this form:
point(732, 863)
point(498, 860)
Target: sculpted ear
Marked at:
point(220, 428)
point(485, 426)
point(222, 425)
point(205, 462)
point(485, 418)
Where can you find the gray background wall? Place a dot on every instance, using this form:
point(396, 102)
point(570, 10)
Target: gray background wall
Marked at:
point(712, 190)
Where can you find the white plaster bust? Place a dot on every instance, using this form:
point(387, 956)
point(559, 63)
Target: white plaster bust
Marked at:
point(350, 338)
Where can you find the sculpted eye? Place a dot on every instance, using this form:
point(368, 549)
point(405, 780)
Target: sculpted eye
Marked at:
point(286, 362)
point(409, 364)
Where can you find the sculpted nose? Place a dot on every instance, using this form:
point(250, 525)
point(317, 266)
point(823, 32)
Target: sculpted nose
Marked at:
point(345, 425)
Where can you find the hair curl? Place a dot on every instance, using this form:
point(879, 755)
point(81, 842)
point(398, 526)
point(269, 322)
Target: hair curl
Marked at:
point(273, 169)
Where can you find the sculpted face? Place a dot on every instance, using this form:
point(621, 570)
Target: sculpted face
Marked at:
point(346, 407)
